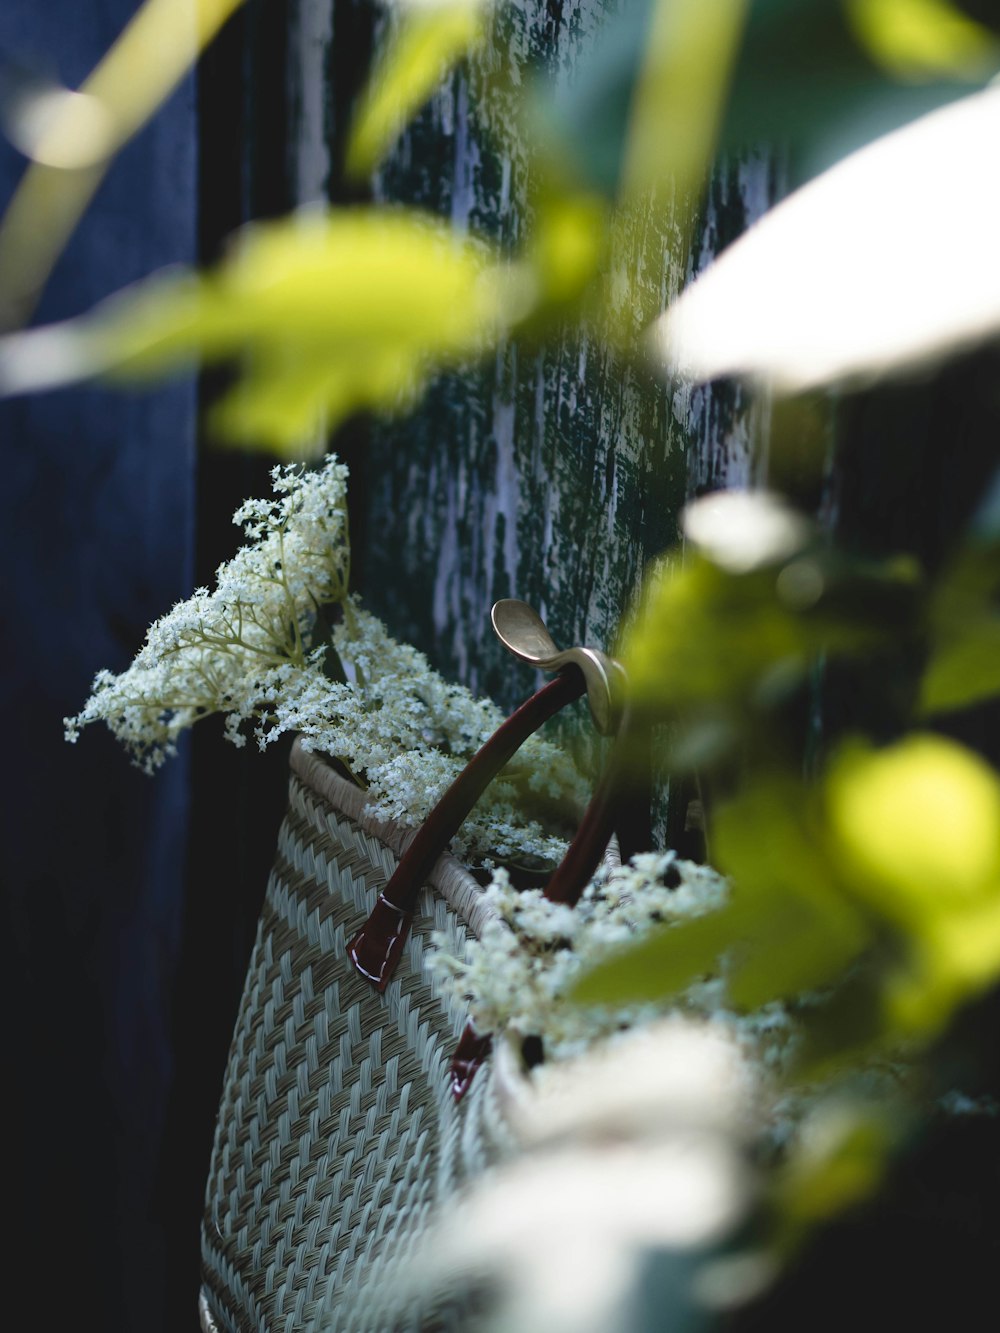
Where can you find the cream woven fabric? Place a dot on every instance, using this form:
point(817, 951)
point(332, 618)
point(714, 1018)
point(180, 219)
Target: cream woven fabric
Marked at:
point(337, 1136)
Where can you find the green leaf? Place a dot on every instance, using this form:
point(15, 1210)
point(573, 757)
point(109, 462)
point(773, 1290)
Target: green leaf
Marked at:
point(918, 825)
point(923, 39)
point(839, 1159)
point(706, 635)
point(795, 949)
point(582, 124)
point(964, 670)
point(788, 928)
point(325, 314)
point(807, 79)
point(808, 76)
point(736, 640)
point(849, 1024)
point(425, 42)
point(964, 663)
point(805, 931)
point(660, 964)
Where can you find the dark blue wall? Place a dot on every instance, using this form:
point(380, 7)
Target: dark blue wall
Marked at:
point(97, 530)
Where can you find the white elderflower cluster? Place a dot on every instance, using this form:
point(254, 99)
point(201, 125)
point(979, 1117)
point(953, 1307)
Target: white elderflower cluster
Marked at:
point(517, 978)
point(519, 974)
point(410, 732)
point(234, 649)
point(258, 650)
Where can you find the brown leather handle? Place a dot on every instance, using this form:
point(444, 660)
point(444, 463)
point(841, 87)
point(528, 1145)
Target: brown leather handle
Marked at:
point(377, 947)
point(623, 779)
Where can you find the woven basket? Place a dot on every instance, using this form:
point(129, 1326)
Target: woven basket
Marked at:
point(338, 1135)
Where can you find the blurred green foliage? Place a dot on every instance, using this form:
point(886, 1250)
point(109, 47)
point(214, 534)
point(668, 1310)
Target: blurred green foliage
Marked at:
point(868, 879)
point(668, 84)
point(424, 43)
point(886, 859)
point(327, 313)
point(865, 881)
point(965, 611)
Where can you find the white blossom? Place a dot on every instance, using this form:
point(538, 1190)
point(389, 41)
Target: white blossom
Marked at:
point(516, 980)
point(257, 650)
point(518, 976)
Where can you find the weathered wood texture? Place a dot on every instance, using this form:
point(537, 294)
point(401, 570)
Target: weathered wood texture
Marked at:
point(551, 475)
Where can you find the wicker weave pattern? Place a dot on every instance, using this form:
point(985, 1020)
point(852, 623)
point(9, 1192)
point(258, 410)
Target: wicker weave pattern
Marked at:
point(337, 1134)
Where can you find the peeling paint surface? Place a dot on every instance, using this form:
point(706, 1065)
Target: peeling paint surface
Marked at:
point(552, 475)
point(311, 36)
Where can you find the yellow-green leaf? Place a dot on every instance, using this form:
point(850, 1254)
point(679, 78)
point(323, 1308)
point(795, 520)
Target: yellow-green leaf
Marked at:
point(838, 1160)
point(660, 964)
point(805, 930)
point(705, 635)
point(964, 669)
point(919, 825)
point(288, 406)
point(568, 242)
point(681, 93)
point(326, 314)
point(917, 40)
point(425, 42)
point(953, 959)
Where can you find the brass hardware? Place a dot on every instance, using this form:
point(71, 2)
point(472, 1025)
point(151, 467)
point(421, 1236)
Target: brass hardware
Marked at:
point(522, 632)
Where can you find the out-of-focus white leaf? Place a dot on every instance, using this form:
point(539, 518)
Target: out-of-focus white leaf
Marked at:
point(637, 1146)
point(886, 262)
point(743, 530)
